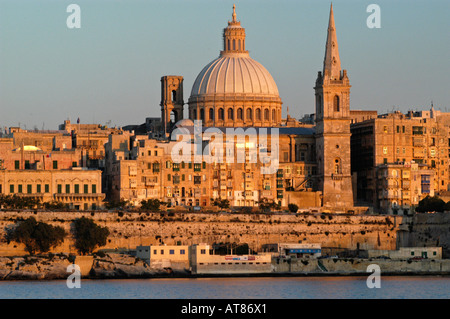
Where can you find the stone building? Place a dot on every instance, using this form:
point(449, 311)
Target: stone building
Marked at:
point(79, 188)
point(235, 91)
point(396, 139)
point(401, 186)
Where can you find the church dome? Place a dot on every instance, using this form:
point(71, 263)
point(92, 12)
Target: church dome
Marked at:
point(234, 73)
point(233, 89)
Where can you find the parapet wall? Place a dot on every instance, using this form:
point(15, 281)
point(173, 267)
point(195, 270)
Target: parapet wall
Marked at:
point(131, 229)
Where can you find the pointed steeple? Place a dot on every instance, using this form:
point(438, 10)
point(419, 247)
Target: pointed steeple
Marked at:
point(332, 62)
point(234, 14)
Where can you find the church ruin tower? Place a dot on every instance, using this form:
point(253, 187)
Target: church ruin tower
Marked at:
point(171, 101)
point(332, 93)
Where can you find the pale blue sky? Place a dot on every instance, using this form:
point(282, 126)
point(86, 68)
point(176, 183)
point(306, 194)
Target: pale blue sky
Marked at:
point(110, 69)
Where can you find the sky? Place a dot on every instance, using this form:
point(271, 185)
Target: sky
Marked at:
point(108, 71)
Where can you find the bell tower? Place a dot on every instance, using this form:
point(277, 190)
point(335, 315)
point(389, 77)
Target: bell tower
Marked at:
point(171, 101)
point(332, 92)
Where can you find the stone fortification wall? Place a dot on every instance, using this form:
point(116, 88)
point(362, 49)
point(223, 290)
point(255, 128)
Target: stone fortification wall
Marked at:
point(427, 230)
point(353, 266)
point(130, 229)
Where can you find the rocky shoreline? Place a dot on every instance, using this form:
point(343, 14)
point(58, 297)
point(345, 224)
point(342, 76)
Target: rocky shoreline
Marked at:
point(122, 266)
point(54, 267)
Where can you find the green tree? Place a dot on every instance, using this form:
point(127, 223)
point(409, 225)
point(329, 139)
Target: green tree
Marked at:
point(88, 235)
point(293, 208)
point(37, 236)
point(150, 204)
point(221, 203)
point(430, 204)
point(120, 204)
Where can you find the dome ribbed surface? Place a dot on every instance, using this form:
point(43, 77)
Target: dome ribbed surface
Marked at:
point(234, 74)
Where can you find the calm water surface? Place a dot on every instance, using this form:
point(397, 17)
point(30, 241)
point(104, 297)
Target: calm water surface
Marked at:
point(233, 288)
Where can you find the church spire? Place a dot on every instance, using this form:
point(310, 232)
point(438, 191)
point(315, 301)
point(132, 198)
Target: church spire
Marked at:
point(332, 62)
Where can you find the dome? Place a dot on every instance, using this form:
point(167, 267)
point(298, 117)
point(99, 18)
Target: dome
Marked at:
point(234, 73)
point(184, 123)
point(234, 90)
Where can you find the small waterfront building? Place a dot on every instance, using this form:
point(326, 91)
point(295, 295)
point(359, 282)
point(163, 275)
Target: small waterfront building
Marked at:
point(294, 250)
point(174, 257)
point(203, 262)
point(408, 252)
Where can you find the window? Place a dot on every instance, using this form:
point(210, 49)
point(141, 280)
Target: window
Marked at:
point(258, 114)
point(197, 179)
point(20, 189)
point(155, 252)
point(155, 167)
point(16, 164)
point(29, 189)
point(162, 252)
point(11, 189)
point(337, 166)
point(38, 188)
point(74, 164)
point(336, 105)
point(182, 252)
point(172, 252)
point(249, 114)
point(77, 188)
point(211, 114)
point(221, 114)
point(67, 189)
point(385, 129)
point(203, 251)
point(47, 188)
point(59, 189)
point(94, 189)
point(197, 167)
point(168, 177)
point(230, 114)
point(385, 150)
point(86, 188)
point(239, 114)
point(27, 164)
point(55, 164)
point(266, 114)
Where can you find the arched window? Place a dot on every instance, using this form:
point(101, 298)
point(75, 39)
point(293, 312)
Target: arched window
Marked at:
point(239, 114)
point(258, 114)
point(194, 114)
point(336, 103)
point(239, 45)
point(249, 114)
point(228, 47)
point(337, 166)
point(202, 114)
point(234, 45)
point(174, 95)
point(211, 114)
point(266, 114)
point(221, 114)
point(273, 116)
point(230, 114)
